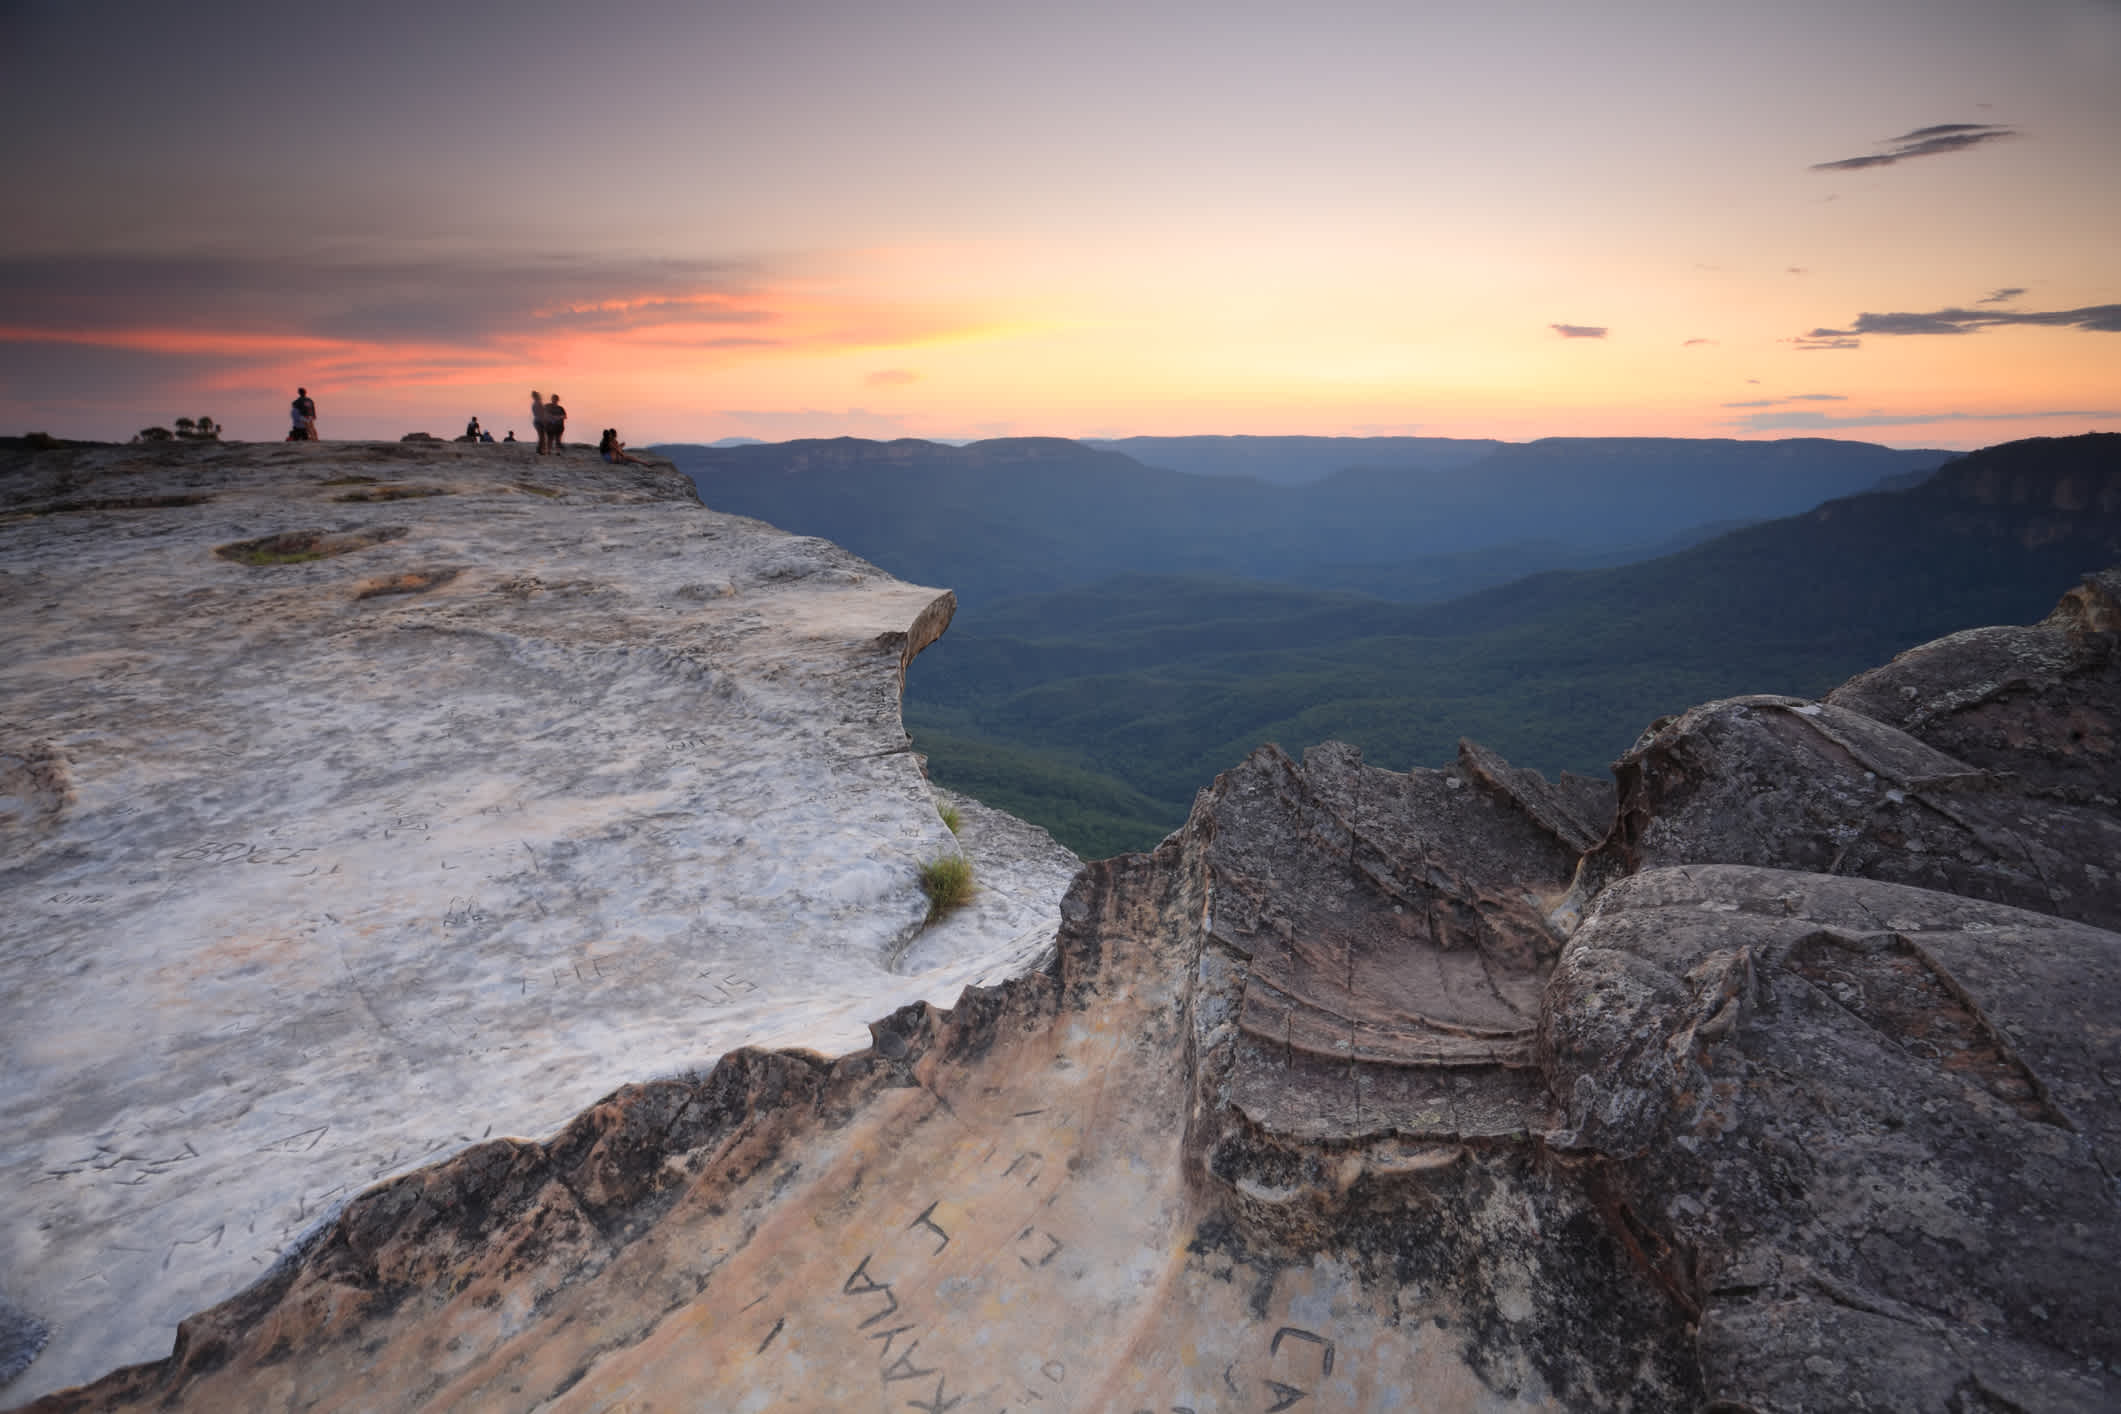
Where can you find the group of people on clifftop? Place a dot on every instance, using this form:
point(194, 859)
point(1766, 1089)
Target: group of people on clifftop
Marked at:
point(546, 415)
point(550, 420)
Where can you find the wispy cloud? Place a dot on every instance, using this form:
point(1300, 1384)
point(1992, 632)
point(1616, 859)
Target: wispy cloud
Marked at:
point(1792, 421)
point(472, 302)
point(2002, 296)
point(1695, 343)
point(1792, 398)
point(1815, 342)
point(470, 298)
point(2102, 318)
point(1922, 142)
point(1579, 331)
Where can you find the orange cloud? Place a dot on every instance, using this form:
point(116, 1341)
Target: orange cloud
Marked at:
point(174, 340)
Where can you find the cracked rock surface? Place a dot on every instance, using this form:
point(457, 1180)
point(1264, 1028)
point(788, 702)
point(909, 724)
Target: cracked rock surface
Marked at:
point(468, 785)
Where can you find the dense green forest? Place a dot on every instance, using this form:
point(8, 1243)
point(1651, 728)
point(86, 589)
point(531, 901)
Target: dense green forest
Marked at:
point(1098, 711)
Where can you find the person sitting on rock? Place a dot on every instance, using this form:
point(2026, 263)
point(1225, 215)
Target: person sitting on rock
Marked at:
point(485, 436)
point(511, 435)
point(303, 411)
point(471, 430)
point(614, 451)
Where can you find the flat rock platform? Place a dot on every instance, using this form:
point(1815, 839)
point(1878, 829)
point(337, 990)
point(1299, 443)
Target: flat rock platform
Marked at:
point(361, 802)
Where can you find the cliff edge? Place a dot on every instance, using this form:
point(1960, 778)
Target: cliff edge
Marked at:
point(361, 802)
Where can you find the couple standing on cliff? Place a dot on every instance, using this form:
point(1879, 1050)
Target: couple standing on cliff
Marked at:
point(550, 419)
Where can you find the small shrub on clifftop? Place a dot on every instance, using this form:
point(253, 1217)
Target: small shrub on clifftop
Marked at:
point(947, 882)
point(951, 818)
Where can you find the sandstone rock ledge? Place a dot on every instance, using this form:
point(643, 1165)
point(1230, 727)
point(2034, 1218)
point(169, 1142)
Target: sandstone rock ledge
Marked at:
point(1367, 1091)
point(359, 803)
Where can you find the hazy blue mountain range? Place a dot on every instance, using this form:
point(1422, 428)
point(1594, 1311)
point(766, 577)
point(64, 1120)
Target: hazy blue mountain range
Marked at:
point(1097, 711)
point(1297, 461)
point(1026, 515)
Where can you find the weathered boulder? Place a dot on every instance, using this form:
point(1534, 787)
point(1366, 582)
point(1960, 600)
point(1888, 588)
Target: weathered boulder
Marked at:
point(2041, 702)
point(1785, 783)
point(1866, 1134)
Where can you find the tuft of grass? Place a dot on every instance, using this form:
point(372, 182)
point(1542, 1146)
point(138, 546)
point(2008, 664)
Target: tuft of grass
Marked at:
point(292, 547)
point(947, 882)
point(951, 818)
point(295, 547)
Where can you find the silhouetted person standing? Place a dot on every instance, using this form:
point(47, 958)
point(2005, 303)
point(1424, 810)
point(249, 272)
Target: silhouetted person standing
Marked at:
point(303, 414)
point(555, 419)
point(538, 423)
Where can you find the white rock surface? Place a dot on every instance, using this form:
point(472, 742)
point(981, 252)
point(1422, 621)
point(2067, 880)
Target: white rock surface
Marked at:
point(293, 881)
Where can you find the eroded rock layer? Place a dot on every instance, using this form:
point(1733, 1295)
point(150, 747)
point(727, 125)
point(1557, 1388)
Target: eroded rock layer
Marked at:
point(358, 803)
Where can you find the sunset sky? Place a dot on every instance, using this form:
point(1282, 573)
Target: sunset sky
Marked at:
point(1897, 221)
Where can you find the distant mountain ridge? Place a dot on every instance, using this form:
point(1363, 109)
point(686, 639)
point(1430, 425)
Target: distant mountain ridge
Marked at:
point(1297, 461)
point(1028, 515)
point(1098, 710)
